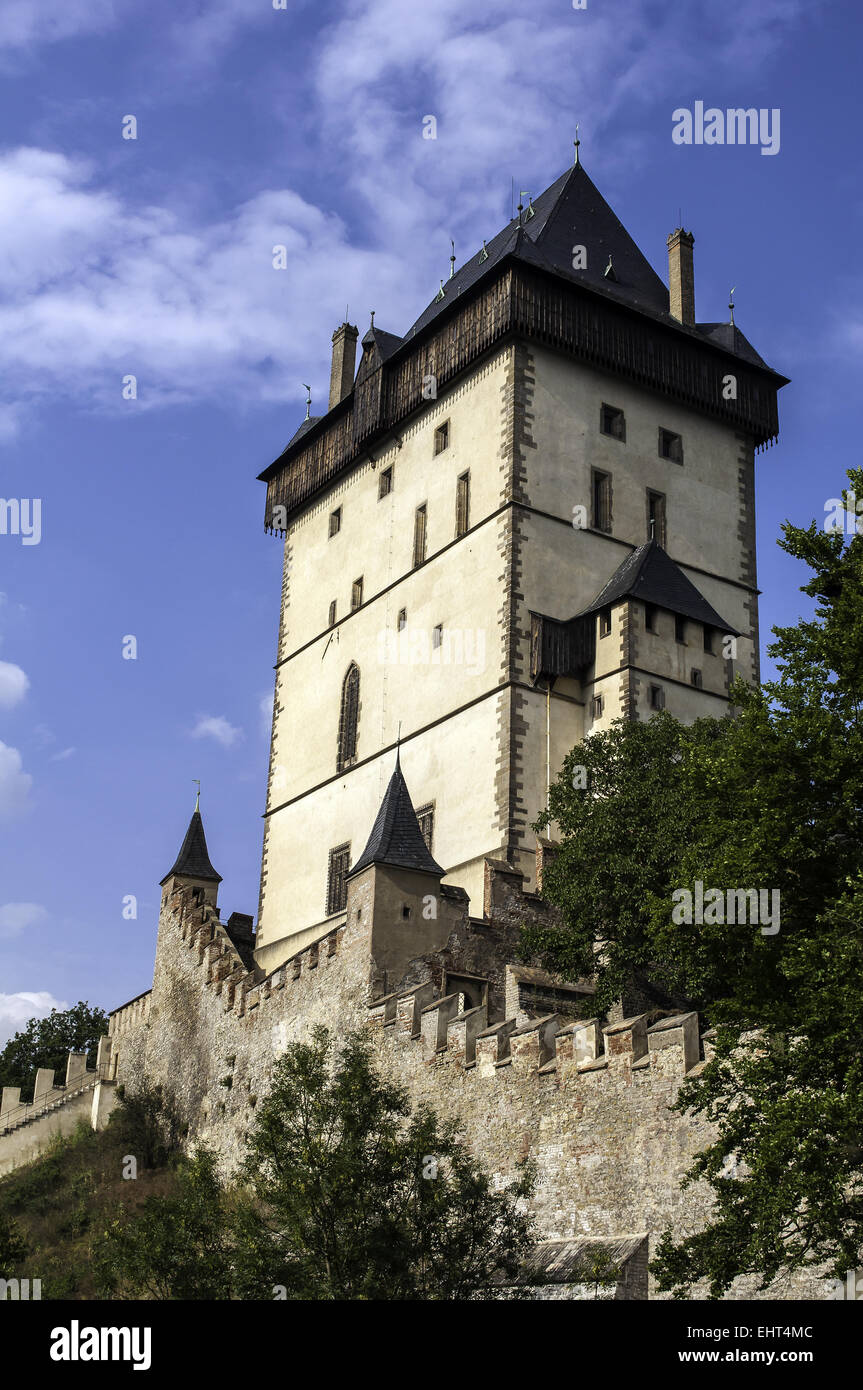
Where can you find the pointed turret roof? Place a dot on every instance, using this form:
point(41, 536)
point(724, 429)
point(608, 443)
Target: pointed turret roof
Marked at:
point(650, 574)
point(193, 861)
point(570, 213)
point(396, 838)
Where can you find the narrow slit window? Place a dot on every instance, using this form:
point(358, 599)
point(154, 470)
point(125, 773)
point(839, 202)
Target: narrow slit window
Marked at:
point(601, 501)
point(349, 718)
point(656, 517)
point(402, 620)
point(335, 522)
point(657, 697)
point(441, 437)
point(420, 520)
point(650, 617)
point(337, 873)
point(425, 816)
point(332, 619)
point(356, 593)
point(604, 622)
point(597, 706)
point(437, 636)
point(695, 678)
point(680, 630)
point(462, 504)
point(708, 640)
point(385, 483)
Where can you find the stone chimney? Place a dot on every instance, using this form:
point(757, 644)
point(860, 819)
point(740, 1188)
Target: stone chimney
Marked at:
point(344, 362)
point(681, 277)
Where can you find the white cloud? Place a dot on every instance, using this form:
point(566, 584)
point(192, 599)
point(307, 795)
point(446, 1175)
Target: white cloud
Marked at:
point(95, 287)
point(61, 757)
point(217, 727)
point(15, 783)
point(16, 1010)
point(17, 917)
point(13, 685)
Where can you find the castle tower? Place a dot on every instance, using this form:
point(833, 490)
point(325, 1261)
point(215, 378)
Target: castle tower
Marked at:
point(192, 867)
point(531, 515)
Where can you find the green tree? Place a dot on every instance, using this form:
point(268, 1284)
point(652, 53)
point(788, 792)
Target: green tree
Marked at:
point(175, 1247)
point(13, 1248)
point(358, 1198)
point(346, 1194)
point(46, 1042)
point(771, 799)
point(147, 1124)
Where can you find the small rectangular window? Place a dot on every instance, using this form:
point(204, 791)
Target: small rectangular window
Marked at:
point(670, 445)
point(695, 678)
point(657, 697)
point(656, 517)
point(462, 504)
point(601, 501)
point(385, 483)
point(337, 871)
point(402, 620)
point(680, 629)
point(604, 622)
point(356, 593)
point(425, 816)
point(649, 617)
point(437, 635)
point(441, 437)
point(597, 706)
point(332, 613)
point(419, 535)
point(335, 521)
point(612, 422)
point(708, 639)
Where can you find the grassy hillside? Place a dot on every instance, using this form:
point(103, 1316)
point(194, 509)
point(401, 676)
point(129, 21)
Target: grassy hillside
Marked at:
point(61, 1203)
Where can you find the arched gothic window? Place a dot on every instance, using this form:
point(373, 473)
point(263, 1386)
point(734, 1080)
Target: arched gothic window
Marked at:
point(349, 718)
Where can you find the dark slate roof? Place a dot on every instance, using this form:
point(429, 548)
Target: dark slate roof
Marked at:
point(573, 1261)
point(650, 574)
point(386, 342)
point(304, 428)
point(571, 212)
point(193, 861)
point(729, 337)
point(396, 838)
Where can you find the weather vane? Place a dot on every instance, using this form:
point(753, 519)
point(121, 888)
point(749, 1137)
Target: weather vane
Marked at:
point(576, 142)
point(308, 399)
point(197, 782)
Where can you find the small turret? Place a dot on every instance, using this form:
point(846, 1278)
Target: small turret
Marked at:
point(192, 864)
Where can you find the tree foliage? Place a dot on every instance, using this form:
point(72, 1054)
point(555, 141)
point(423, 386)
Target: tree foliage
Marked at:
point(47, 1042)
point(147, 1124)
point(344, 1193)
point(769, 798)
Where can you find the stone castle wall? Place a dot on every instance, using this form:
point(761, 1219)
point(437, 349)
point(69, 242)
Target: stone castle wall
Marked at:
point(588, 1102)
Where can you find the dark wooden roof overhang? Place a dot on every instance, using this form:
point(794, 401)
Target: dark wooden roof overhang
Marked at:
point(523, 301)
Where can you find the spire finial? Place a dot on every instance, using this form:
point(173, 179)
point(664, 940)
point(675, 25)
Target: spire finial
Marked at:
point(308, 399)
point(372, 324)
point(452, 259)
point(197, 782)
point(576, 142)
point(731, 303)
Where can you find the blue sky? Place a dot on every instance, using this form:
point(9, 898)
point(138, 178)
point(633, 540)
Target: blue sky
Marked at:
point(152, 257)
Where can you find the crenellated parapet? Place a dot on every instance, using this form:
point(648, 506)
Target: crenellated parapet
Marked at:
point(446, 1033)
point(50, 1094)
